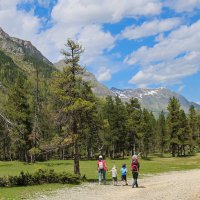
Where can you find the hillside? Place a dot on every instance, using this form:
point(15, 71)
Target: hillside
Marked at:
point(98, 88)
point(24, 54)
point(20, 58)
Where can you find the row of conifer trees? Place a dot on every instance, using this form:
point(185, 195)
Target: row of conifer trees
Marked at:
point(61, 118)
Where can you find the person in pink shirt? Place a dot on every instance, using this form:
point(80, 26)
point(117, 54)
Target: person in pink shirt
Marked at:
point(101, 167)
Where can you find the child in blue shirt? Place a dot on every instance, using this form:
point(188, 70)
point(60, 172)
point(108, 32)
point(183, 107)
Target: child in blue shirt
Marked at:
point(124, 172)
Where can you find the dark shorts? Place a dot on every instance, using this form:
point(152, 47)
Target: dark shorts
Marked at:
point(114, 178)
point(123, 177)
point(135, 174)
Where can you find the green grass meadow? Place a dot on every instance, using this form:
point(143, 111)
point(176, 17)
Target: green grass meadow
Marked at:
point(89, 169)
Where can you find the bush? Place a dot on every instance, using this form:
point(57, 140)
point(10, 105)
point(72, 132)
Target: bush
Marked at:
point(4, 182)
point(39, 177)
point(45, 176)
point(68, 178)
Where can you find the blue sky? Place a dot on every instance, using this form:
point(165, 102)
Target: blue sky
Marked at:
point(128, 43)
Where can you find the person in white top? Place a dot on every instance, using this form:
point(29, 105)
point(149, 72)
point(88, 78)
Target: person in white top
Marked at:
point(114, 175)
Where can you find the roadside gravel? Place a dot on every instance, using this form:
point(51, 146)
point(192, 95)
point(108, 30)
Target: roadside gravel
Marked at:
point(183, 185)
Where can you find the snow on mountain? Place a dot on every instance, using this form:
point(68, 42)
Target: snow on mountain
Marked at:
point(154, 100)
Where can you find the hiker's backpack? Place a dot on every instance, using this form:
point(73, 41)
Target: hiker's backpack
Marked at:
point(101, 164)
point(134, 165)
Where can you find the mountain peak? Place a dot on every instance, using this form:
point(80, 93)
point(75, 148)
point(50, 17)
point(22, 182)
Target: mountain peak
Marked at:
point(20, 47)
point(3, 34)
point(153, 99)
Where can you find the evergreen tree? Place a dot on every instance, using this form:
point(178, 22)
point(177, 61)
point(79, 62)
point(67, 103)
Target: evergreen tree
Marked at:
point(91, 127)
point(153, 136)
point(147, 130)
point(193, 126)
point(18, 111)
point(73, 98)
point(184, 134)
point(173, 123)
point(134, 132)
point(120, 125)
point(110, 136)
point(198, 129)
point(5, 141)
point(162, 132)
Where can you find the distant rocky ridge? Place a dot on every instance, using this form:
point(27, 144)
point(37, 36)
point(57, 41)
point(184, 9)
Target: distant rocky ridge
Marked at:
point(154, 100)
point(25, 55)
point(20, 47)
point(98, 88)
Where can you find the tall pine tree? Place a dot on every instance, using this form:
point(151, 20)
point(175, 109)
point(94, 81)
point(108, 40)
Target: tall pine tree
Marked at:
point(134, 132)
point(18, 111)
point(173, 123)
point(73, 98)
point(193, 126)
point(162, 129)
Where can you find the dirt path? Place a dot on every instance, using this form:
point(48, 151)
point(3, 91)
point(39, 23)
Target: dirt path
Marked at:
point(169, 186)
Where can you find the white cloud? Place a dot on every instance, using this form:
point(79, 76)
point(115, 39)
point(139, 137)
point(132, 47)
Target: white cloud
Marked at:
point(171, 59)
point(101, 11)
point(181, 88)
point(8, 4)
point(82, 20)
point(95, 41)
point(104, 74)
point(180, 41)
point(16, 22)
point(183, 5)
point(169, 72)
point(150, 28)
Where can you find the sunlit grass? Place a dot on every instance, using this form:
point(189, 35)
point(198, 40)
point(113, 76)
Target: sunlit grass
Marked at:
point(89, 168)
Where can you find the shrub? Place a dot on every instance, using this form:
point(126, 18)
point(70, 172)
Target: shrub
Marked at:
point(45, 176)
point(69, 178)
point(4, 182)
point(39, 177)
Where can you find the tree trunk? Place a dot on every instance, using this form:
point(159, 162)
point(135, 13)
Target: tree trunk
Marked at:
point(76, 158)
point(63, 153)
point(184, 150)
point(178, 149)
point(123, 153)
point(162, 149)
point(88, 152)
point(132, 151)
point(25, 156)
point(4, 150)
point(190, 149)
point(113, 155)
point(91, 153)
point(173, 150)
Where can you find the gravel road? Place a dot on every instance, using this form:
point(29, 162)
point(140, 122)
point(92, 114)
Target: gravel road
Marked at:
point(168, 186)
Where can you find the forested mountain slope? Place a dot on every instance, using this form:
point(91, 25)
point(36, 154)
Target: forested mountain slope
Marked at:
point(24, 54)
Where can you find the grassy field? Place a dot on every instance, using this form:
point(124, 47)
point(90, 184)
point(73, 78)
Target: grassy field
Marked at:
point(89, 168)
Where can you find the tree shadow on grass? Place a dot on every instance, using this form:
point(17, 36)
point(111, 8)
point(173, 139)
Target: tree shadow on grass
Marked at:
point(147, 159)
point(56, 164)
point(6, 165)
